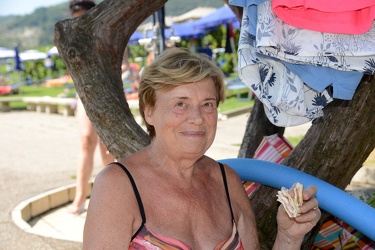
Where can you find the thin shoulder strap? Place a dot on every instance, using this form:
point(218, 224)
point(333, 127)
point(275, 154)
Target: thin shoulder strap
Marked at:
point(226, 187)
point(140, 204)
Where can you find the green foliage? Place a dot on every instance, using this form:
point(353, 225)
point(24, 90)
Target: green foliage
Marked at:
point(34, 71)
point(226, 62)
point(41, 91)
point(33, 30)
point(139, 52)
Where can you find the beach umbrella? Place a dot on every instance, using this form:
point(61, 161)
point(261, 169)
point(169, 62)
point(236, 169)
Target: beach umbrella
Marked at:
point(222, 15)
point(187, 30)
point(32, 55)
point(6, 53)
point(135, 37)
point(53, 51)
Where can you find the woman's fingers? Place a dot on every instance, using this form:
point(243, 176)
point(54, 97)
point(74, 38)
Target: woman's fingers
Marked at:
point(312, 216)
point(309, 192)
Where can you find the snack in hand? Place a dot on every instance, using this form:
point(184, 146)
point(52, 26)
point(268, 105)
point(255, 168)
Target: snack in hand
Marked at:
point(291, 204)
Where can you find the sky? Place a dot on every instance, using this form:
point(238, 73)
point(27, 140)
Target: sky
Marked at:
point(24, 7)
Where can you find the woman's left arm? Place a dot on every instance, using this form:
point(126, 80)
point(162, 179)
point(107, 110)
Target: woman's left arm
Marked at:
point(243, 211)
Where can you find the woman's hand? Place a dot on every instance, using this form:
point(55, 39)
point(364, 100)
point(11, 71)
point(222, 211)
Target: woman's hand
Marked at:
point(294, 229)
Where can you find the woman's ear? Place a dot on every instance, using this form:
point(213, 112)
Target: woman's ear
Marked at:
point(148, 115)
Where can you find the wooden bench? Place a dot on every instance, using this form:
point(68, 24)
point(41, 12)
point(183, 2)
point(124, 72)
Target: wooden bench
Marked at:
point(5, 102)
point(50, 105)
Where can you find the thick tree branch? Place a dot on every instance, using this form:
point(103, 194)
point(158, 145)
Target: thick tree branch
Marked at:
point(333, 149)
point(257, 127)
point(92, 47)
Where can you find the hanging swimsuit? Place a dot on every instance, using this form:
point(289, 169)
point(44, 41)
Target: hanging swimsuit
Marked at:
point(145, 239)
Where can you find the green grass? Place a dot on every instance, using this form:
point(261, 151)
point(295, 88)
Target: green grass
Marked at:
point(41, 91)
point(231, 102)
point(294, 140)
point(28, 91)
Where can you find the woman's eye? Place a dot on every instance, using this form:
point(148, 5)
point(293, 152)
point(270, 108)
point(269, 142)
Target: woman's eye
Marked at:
point(209, 104)
point(180, 104)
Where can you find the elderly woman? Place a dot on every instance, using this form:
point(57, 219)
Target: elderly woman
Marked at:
point(169, 195)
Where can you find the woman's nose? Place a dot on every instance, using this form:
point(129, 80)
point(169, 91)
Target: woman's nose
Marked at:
point(195, 115)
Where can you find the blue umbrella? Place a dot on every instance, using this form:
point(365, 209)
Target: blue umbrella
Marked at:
point(135, 37)
point(222, 15)
point(187, 30)
point(17, 60)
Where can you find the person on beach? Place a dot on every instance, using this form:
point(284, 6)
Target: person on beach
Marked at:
point(169, 195)
point(89, 139)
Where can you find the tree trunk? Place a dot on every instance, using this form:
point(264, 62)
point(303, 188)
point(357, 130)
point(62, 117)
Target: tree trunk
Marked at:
point(333, 149)
point(257, 127)
point(238, 11)
point(92, 46)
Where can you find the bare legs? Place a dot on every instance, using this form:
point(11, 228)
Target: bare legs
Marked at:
point(89, 140)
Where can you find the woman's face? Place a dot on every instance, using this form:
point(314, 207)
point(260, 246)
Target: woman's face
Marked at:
point(185, 118)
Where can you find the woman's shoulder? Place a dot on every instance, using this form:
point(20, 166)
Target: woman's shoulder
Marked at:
point(233, 180)
point(231, 173)
point(113, 206)
point(114, 187)
point(114, 176)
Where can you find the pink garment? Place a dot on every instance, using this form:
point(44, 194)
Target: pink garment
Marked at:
point(331, 16)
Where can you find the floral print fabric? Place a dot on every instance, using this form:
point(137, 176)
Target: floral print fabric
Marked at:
point(287, 100)
point(296, 72)
point(300, 46)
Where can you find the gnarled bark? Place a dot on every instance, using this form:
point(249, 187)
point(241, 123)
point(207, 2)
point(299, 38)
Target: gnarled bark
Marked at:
point(92, 48)
point(333, 149)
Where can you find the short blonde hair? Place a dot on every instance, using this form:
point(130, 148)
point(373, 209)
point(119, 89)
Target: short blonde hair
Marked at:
point(172, 68)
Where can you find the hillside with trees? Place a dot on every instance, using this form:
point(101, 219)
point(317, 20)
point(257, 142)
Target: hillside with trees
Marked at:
point(36, 29)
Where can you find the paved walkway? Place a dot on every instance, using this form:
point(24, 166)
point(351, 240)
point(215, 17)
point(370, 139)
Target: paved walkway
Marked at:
point(39, 153)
